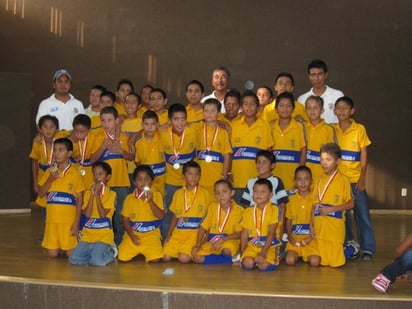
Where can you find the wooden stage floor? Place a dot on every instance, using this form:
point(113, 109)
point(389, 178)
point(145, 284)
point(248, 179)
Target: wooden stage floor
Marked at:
point(22, 261)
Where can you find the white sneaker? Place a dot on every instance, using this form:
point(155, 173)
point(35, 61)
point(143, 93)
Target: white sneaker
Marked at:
point(236, 258)
point(381, 283)
point(114, 248)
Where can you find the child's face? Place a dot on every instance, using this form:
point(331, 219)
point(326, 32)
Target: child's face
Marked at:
point(317, 77)
point(220, 80)
point(303, 181)
point(48, 130)
point(61, 154)
point(192, 177)
point(123, 91)
point(145, 95)
point(80, 131)
point(223, 194)
point(313, 110)
point(343, 111)
point(94, 97)
point(261, 194)
point(157, 102)
point(150, 126)
point(263, 166)
point(100, 174)
point(131, 105)
point(210, 113)
point(283, 84)
point(264, 96)
point(285, 108)
point(232, 107)
point(328, 162)
point(109, 122)
point(249, 106)
point(194, 94)
point(178, 122)
point(142, 179)
point(105, 101)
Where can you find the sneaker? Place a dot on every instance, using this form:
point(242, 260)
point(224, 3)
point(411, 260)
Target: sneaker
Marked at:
point(114, 248)
point(351, 250)
point(381, 283)
point(236, 258)
point(366, 256)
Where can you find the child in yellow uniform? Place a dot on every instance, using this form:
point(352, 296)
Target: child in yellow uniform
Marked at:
point(232, 107)
point(318, 132)
point(96, 246)
point(189, 207)
point(265, 96)
point(222, 228)
point(290, 143)
point(259, 244)
point(194, 94)
point(149, 150)
point(298, 217)
point(214, 150)
point(142, 215)
point(249, 135)
point(158, 102)
point(93, 110)
point(145, 100)
point(333, 197)
point(124, 87)
point(63, 187)
point(114, 149)
point(83, 146)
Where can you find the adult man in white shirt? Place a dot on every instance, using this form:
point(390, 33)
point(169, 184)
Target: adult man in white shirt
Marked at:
point(61, 103)
point(318, 74)
point(220, 82)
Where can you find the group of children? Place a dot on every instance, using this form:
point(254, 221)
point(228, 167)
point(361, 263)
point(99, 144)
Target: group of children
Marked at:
point(134, 178)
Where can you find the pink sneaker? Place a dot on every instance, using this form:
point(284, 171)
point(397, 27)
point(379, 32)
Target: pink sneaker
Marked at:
point(381, 283)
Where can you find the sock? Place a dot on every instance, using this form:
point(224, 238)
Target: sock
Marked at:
point(217, 259)
point(269, 268)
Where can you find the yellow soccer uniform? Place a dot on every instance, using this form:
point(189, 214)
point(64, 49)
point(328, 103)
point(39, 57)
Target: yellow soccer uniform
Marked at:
point(189, 207)
point(246, 143)
point(256, 221)
point(163, 118)
point(220, 223)
point(351, 142)
point(145, 225)
point(299, 211)
point(178, 150)
point(129, 127)
point(151, 153)
point(270, 114)
point(330, 229)
point(61, 209)
point(120, 177)
point(287, 149)
point(98, 229)
point(316, 136)
point(192, 115)
point(120, 108)
point(213, 144)
point(141, 111)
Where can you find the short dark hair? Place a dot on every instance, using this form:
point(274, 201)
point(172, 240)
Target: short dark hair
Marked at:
point(347, 100)
point(139, 99)
point(44, 118)
point(110, 110)
point(190, 164)
point(175, 108)
point(104, 165)
point(249, 93)
point(99, 87)
point(66, 142)
point(82, 119)
point(267, 88)
point(145, 169)
point(159, 90)
point(317, 99)
point(303, 168)
point(265, 182)
point(124, 81)
point(318, 64)
point(285, 74)
point(224, 181)
point(109, 94)
point(267, 154)
point(233, 93)
point(333, 149)
point(285, 95)
point(196, 82)
point(222, 68)
point(149, 114)
point(146, 86)
point(213, 101)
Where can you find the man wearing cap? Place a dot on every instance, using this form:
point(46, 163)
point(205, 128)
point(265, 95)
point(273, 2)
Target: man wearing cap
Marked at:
point(61, 103)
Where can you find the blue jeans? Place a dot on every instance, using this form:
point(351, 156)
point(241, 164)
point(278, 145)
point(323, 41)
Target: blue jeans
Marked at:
point(366, 236)
point(121, 193)
point(399, 266)
point(169, 191)
point(97, 254)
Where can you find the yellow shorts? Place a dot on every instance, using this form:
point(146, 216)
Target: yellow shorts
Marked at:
point(331, 253)
point(58, 236)
point(272, 256)
point(180, 242)
point(232, 245)
point(303, 251)
point(150, 247)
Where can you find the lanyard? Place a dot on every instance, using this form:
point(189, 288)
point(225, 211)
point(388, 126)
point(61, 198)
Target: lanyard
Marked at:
point(139, 195)
point(262, 218)
point(187, 207)
point(49, 159)
point(65, 170)
point(209, 147)
point(111, 137)
point(82, 150)
point(221, 227)
point(182, 138)
point(325, 189)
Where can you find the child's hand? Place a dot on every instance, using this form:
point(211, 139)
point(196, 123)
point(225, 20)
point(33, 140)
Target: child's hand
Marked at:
point(217, 244)
point(116, 147)
point(260, 259)
point(135, 240)
point(325, 210)
point(195, 250)
point(149, 196)
point(74, 230)
point(36, 187)
point(38, 138)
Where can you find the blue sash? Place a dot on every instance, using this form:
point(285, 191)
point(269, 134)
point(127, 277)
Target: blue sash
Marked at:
point(261, 241)
point(190, 223)
point(301, 229)
point(43, 167)
point(98, 223)
point(181, 158)
point(158, 169)
point(313, 156)
point(216, 156)
point(245, 153)
point(107, 155)
point(352, 156)
point(62, 198)
point(145, 226)
point(335, 214)
point(287, 156)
